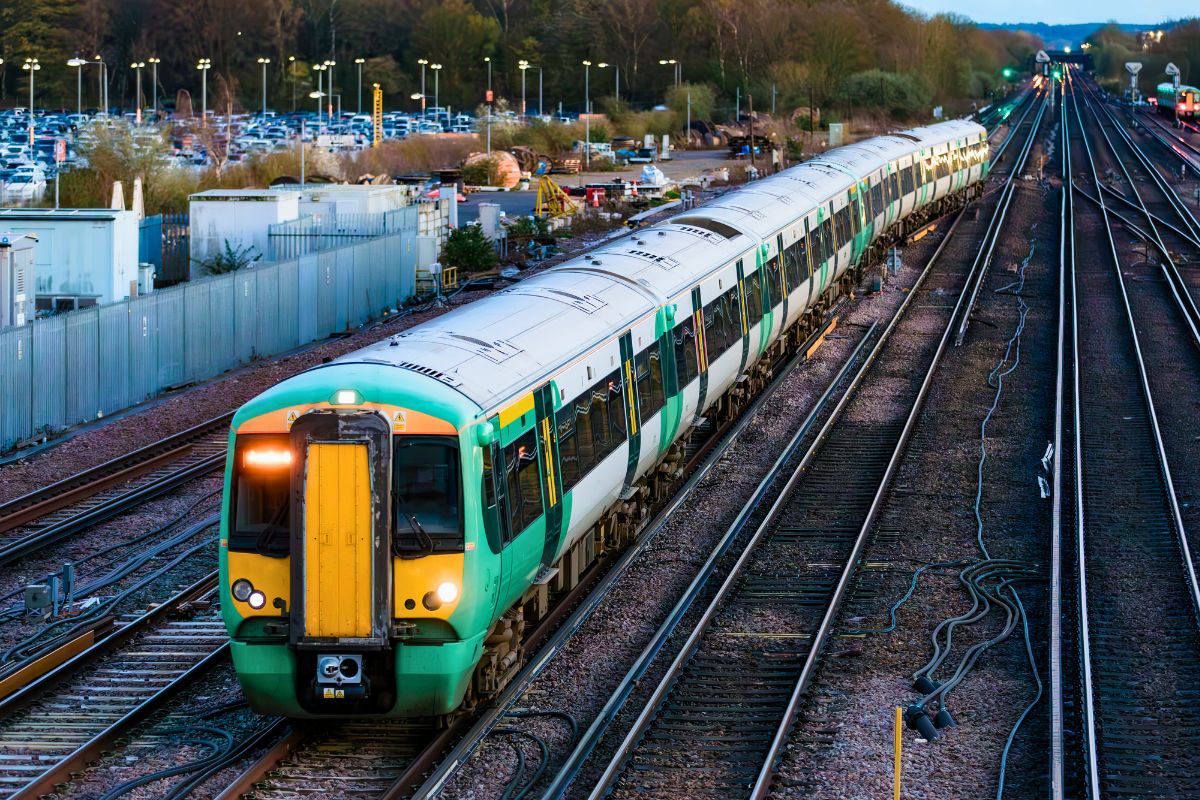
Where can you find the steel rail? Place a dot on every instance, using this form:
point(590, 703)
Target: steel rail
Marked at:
point(1170, 271)
point(1171, 498)
point(619, 697)
point(983, 257)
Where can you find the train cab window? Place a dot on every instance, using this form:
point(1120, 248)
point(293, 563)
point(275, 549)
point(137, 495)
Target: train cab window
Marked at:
point(426, 495)
point(524, 482)
point(687, 367)
point(651, 394)
point(260, 517)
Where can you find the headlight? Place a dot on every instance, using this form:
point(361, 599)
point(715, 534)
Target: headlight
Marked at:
point(257, 599)
point(447, 592)
point(242, 589)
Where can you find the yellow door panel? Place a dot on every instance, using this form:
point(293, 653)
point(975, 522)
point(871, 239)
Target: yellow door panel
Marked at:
point(337, 541)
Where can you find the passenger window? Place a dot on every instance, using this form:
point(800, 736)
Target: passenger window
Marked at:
point(754, 309)
point(793, 259)
point(773, 287)
point(615, 405)
point(524, 482)
point(568, 446)
point(649, 381)
point(684, 337)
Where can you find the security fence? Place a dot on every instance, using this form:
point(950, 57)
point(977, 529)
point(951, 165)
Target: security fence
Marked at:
point(313, 233)
point(163, 240)
point(65, 370)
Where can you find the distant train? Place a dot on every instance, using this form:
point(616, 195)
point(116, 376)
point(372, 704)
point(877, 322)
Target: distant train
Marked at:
point(1187, 98)
point(393, 520)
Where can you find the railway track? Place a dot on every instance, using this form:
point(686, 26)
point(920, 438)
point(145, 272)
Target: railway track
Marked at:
point(56, 724)
point(41, 518)
point(720, 717)
point(1132, 592)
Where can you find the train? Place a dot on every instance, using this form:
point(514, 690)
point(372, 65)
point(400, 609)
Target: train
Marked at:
point(1183, 101)
point(395, 521)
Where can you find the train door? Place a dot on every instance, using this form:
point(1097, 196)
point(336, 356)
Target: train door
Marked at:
point(551, 478)
point(341, 580)
point(496, 524)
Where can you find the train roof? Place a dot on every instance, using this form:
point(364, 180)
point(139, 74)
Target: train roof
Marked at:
point(494, 348)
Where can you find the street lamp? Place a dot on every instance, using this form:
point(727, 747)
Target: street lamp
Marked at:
point(263, 63)
point(437, 69)
point(523, 65)
point(292, 78)
point(359, 62)
point(137, 66)
point(204, 65)
point(677, 68)
point(318, 94)
point(33, 66)
point(103, 82)
point(423, 62)
point(329, 65)
point(78, 63)
point(488, 60)
point(617, 82)
point(587, 115)
point(154, 62)
point(418, 96)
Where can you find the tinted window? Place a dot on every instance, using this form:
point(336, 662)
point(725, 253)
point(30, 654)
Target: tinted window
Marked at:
point(591, 427)
point(754, 298)
point(774, 285)
point(426, 494)
point(877, 197)
point(649, 382)
point(794, 263)
point(260, 517)
point(684, 337)
point(523, 481)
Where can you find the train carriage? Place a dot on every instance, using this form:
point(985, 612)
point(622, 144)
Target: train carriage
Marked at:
point(1181, 101)
point(394, 519)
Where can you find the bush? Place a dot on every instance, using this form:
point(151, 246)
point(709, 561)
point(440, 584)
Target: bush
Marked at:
point(483, 172)
point(231, 259)
point(469, 250)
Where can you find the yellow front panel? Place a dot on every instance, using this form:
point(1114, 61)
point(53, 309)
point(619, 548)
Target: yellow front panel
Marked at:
point(337, 541)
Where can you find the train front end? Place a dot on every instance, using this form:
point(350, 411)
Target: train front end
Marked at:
point(351, 584)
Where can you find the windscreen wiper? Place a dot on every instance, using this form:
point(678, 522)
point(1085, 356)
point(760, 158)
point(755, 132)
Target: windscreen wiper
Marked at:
point(423, 538)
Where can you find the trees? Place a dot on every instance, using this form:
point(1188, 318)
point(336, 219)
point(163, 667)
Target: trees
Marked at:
point(469, 250)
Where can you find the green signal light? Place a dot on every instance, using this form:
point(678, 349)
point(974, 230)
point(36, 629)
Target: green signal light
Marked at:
point(1009, 72)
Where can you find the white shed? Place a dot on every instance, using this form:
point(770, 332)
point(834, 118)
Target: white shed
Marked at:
point(240, 217)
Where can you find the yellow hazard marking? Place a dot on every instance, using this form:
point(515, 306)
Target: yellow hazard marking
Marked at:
point(517, 410)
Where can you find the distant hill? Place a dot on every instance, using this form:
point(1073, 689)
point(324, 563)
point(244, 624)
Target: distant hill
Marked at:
point(1058, 36)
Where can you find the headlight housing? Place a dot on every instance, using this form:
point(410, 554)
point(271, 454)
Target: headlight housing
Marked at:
point(242, 589)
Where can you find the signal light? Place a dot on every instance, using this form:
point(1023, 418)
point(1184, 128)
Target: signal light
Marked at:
point(267, 458)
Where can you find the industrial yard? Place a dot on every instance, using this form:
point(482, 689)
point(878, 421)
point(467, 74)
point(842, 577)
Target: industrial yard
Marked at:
point(429, 408)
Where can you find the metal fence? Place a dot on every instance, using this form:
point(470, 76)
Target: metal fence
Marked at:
point(163, 241)
point(315, 233)
point(65, 370)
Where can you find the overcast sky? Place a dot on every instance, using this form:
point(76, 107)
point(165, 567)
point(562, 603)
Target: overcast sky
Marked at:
point(1146, 12)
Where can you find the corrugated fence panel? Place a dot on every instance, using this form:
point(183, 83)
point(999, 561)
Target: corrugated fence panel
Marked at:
point(16, 382)
point(172, 334)
point(83, 379)
point(221, 324)
point(114, 358)
point(245, 317)
point(287, 323)
point(69, 369)
point(49, 353)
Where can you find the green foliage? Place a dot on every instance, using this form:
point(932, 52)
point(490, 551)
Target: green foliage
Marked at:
point(230, 259)
point(483, 172)
point(469, 250)
point(703, 97)
point(530, 227)
point(903, 96)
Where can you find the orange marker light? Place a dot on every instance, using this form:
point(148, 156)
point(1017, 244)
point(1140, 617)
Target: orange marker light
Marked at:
point(267, 458)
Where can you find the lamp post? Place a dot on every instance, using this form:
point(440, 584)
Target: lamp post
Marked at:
point(359, 62)
point(676, 68)
point(488, 97)
point(78, 64)
point(587, 115)
point(154, 62)
point(540, 106)
point(423, 62)
point(292, 78)
point(617, 82)
point(417, 96)
point(137, 66)
point(329, 65)
point(523, 65)
point(437, 70)
point(204, 65)
point(103, 82)
point(33, 66)
point(318, 94)
point(262, 62)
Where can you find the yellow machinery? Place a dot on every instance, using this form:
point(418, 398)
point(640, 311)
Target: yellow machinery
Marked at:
point(552, 201)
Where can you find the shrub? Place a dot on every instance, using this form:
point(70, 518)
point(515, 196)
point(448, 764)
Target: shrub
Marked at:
point(231, 259)
point(469, 250)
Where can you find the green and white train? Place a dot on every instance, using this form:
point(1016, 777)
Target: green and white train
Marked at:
point(393, 520)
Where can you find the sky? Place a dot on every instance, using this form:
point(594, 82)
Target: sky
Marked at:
point(1061, 12)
